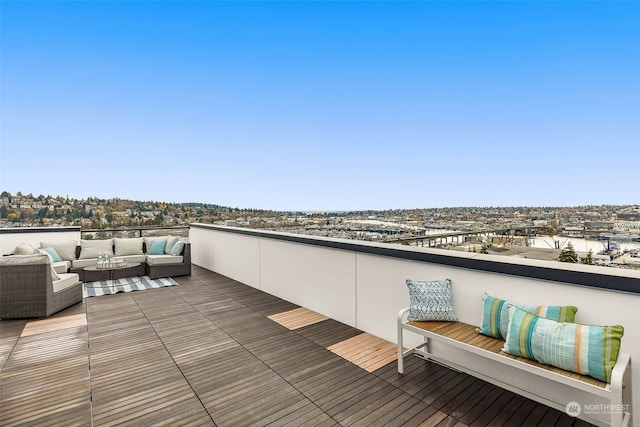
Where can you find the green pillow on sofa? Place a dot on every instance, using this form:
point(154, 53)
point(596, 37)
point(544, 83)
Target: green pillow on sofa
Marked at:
point(585, 349)
point(495, 317)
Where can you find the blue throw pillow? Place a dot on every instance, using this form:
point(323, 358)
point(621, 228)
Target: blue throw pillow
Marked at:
point(430, 301)
point(495, 318)
point(177, 248)
point(157, 247)
point(585, 349)
point(54, 254)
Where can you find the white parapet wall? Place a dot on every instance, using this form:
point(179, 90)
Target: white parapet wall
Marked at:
point(362, 284)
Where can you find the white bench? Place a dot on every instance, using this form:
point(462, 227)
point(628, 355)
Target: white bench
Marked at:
point(482, 358)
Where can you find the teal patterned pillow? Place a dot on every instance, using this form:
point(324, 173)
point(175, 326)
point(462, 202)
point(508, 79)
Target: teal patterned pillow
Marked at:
point(53, 253)
point(176, 249)
point(495, 317)
point(430, 301)
point(585, 349)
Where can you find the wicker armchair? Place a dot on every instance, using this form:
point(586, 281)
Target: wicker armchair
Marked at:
point(172, 270)
point(27, 288)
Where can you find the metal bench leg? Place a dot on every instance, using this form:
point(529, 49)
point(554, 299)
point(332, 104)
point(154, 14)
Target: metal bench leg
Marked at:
point(400, 350)
point(619, 417)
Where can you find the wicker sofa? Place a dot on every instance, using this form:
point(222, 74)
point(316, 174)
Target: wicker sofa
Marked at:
point(165, 263)
point(29, 287)
point(155, 268)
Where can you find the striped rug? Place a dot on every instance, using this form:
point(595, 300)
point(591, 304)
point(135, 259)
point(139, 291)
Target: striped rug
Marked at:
point(128, 284)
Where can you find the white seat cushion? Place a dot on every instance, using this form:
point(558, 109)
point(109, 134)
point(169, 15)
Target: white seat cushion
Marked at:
point(164, 259)
point(81, 263)
point(61, 266)
point(66, 281)
point(135, 258)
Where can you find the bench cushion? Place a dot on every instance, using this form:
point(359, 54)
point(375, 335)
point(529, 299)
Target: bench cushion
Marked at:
point(585, 349)
point(495, 317)
point(431, 300)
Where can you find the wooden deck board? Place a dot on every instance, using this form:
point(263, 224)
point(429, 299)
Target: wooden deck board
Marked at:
point(213, 351)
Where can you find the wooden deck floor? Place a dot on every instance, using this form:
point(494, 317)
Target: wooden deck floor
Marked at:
point(213, 351)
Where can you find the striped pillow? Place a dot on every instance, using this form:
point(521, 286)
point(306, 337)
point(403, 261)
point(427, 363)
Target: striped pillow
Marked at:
point(495, 317)
point(587, 350)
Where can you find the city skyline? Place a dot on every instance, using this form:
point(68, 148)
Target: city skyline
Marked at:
point(326, 106)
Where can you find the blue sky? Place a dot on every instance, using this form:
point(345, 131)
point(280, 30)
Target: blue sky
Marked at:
point(318, 105)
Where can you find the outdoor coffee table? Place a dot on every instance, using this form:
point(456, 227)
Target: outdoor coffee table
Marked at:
point(109, 274)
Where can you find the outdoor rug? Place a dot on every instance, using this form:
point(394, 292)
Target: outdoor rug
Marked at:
point(108, 287)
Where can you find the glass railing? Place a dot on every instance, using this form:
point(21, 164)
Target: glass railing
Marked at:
point(129, 232)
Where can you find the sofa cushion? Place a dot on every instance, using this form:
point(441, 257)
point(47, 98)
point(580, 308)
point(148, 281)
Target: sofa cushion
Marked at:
point(157, 247)
point(128, 246)
point(61, 267)
point(65, 281)
point(42, 251)
point(177, 248)
point(81, 263)
point(164, 259)
point(24, 259)
point(135, 258)
point(66, 250)
point(149, 240)
point(24, 249)
point(90, 249)
point(54, 274)
point(171, 241)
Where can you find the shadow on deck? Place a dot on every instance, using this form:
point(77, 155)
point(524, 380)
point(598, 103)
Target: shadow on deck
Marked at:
point(207, 352)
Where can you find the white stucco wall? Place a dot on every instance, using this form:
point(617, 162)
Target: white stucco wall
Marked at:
point(367, 291)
